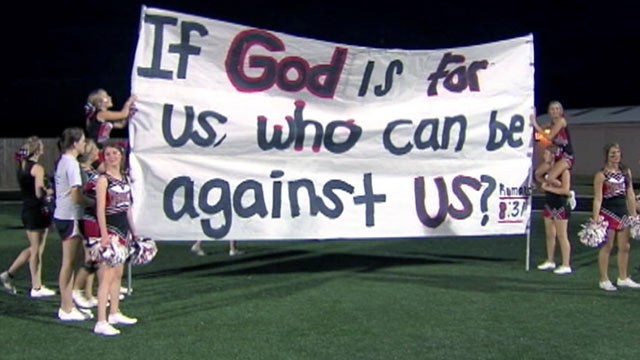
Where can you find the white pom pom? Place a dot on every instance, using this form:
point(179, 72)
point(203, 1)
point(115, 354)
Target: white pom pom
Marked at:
point(93, 244)
point(634, 226)
point(113, 254)
point(593, 233)
point(143, 250)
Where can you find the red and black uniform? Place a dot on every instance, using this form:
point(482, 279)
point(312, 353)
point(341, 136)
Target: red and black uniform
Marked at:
point(99, 131)
point(556, 206)
point(90, 226)
point(564, 148)
point(117, 206)
point(614, 199)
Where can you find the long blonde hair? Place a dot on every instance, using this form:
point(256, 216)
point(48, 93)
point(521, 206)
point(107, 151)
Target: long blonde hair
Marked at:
point(96, 97)
point(89, 145)
point(556, 102)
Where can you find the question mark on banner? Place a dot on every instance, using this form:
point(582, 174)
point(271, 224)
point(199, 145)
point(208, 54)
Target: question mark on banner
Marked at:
point(491, 185)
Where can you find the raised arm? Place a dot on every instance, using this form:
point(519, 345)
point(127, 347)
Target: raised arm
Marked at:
point(118, 118)
point(553, 130)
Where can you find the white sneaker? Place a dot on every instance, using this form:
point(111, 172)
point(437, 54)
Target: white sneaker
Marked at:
point(42, 292)
point(547, 265)
point(562, 270)
point(125, 291)
point(6, 283)
point(120, 318)
point(235, 252)
point(198, 250)
point(572, 199)
point(627, 283)
point(80, 299)
point(73, 315)
point(88, 314)
point(104, 328)
point(607, 286)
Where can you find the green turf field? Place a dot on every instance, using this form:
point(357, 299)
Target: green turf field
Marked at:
point(466, 298)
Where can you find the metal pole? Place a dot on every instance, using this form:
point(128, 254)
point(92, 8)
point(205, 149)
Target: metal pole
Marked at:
point(129, 286)
point(528, 253)
point(530, 154)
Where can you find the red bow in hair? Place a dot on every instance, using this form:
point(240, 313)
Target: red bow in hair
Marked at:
point(21, 155)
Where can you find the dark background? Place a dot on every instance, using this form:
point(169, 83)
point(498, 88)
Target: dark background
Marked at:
point(55, 53)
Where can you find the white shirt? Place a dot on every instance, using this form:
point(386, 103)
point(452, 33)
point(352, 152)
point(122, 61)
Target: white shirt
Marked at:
point(67, 176)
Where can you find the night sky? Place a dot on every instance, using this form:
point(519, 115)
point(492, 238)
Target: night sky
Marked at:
point(56, 53)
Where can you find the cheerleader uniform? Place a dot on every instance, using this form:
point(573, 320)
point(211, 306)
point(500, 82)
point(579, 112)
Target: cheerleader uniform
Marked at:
point(98, 130)
point(117, 206)
point(564, 148)
point(614, 200)
point(90, 227)
point(556, 207)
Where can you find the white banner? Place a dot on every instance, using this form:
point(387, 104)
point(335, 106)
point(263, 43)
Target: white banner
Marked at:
point(250, 134)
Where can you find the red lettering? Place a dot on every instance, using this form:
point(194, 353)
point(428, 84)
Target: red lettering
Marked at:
point(254, 73)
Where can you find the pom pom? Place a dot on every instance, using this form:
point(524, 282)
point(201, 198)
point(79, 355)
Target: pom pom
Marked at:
point(634, 226)
point(93, 245)
point(113, 254)
point(593, 233)
point(143, 250)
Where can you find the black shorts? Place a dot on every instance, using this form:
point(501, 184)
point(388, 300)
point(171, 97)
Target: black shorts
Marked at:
point(68, 228)
point(34, 219)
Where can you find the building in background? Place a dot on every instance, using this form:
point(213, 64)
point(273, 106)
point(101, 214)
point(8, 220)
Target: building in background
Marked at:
point(592, 128)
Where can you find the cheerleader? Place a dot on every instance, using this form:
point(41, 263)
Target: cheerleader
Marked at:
point(100, 119)
point(556, 214)
point(115, 221)
point(614, 201)
point(35, 217)
point(558, 134)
